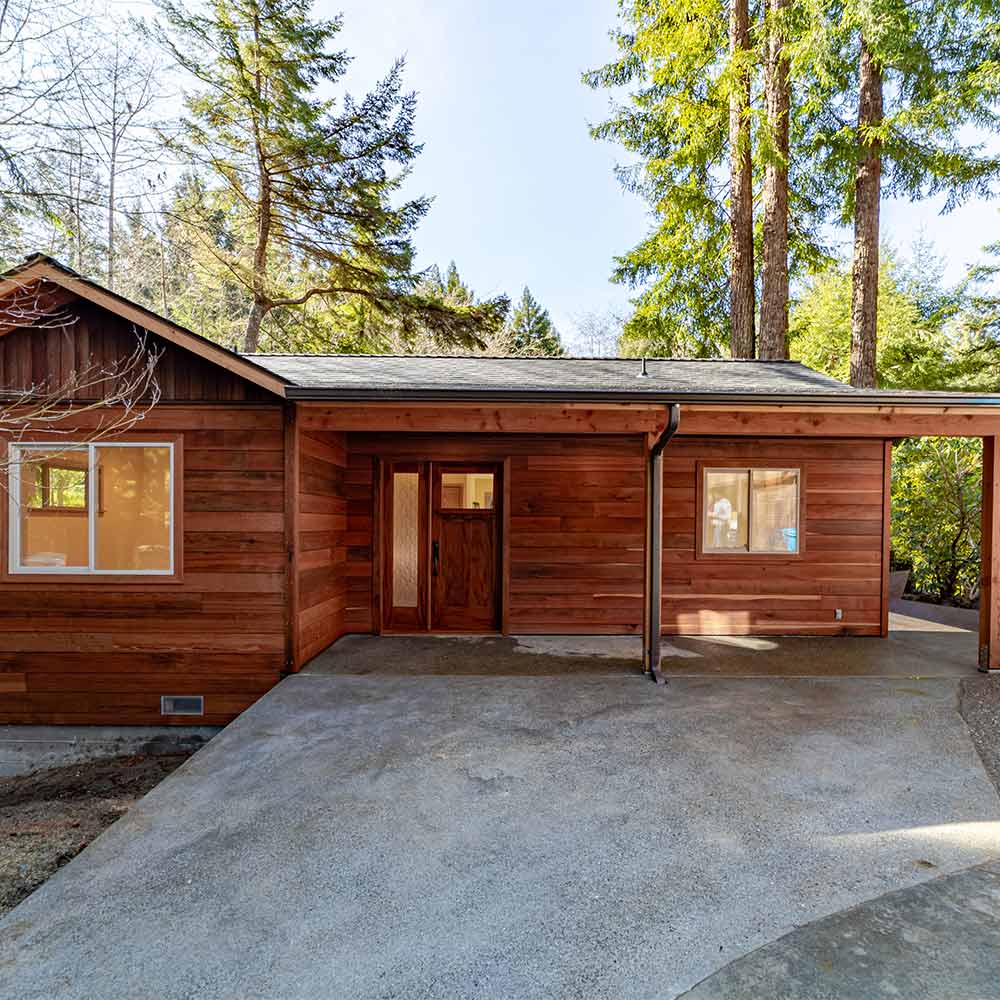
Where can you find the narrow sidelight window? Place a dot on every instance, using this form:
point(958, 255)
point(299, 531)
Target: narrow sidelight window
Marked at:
point(97, 508)
point(751, 511)
point(405, 539)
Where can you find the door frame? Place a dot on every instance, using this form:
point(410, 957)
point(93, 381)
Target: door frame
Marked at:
point(390, 623)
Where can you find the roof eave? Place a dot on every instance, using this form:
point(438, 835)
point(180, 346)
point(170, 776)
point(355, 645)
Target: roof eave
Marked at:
point(653, 398)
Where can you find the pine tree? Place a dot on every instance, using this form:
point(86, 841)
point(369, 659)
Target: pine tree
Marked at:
point(530, 330)
point(671, 57)
point(314, 183)
point(691, 121)
point(912, 77)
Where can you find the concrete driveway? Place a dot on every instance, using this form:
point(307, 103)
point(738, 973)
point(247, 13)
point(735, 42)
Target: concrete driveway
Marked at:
point(452, 837)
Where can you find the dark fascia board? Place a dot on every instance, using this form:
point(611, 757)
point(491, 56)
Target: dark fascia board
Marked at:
point(862, 398)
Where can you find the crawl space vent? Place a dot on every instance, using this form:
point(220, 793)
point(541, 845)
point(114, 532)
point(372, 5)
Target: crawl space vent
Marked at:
point(182, 704)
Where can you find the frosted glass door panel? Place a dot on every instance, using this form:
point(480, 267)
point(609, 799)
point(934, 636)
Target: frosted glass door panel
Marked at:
point(405, 539)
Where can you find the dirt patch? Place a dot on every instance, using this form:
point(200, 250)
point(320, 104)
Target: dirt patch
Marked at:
point(979, 704)
point(49, 816)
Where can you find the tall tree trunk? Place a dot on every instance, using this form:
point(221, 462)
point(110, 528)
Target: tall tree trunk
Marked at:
point(867, 195)
point(774, 273)
point(258, 278)
point(259, 309)
point(741, 257)
point(112, 171)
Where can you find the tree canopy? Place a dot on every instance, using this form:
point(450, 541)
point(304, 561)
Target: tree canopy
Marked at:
point(311, 185)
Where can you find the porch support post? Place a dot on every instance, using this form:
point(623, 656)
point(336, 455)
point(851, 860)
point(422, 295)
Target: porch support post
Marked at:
point(989, 590)
point(654, 548)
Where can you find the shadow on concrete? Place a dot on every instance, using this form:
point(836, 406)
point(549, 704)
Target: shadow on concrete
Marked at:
point(937, 939)
point(914, 648)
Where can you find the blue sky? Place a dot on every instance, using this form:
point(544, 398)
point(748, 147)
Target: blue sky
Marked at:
point(522, 194)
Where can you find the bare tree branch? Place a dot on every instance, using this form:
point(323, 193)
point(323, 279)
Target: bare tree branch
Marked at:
point(121, 394)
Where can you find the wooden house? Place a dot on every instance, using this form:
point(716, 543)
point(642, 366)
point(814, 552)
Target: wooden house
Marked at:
point(267, 505)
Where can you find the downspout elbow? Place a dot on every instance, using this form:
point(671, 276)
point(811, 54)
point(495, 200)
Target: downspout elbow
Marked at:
point(673, 422)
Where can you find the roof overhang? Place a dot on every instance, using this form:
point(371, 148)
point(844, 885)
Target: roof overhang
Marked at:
point(43, 269)
point(861, 398)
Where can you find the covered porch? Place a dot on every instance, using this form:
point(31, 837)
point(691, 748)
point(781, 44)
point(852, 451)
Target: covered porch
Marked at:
point(916, 647)
point(594, 514)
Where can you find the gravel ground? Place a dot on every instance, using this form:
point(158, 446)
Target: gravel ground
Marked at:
point(49, 816)
point(979, 704)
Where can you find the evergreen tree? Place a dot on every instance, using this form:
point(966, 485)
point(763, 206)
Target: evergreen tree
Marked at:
point(691, 124)
point(530, 331)
point(919, 347)
point(912, 76)
point(772, 342)
point(313, 184)
point(675, 121)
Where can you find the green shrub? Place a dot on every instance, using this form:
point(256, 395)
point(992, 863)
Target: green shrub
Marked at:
point(936, 528)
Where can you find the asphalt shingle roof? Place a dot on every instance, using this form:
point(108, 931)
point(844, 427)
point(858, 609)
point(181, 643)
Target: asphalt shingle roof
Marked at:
point(346, 374)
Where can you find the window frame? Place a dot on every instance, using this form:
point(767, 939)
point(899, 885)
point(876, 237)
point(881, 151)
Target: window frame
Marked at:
point(13, 572)
point(748, 555)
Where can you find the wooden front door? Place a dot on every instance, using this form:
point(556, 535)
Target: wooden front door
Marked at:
point(464, 547)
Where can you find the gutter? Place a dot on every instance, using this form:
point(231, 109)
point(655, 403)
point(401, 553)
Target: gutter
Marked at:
point(399, 394)
point(654, 546)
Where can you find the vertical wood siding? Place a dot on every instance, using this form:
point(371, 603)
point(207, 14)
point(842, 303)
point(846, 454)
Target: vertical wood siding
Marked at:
point(36, 356)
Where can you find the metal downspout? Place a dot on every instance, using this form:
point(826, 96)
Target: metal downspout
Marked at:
point(654, 535)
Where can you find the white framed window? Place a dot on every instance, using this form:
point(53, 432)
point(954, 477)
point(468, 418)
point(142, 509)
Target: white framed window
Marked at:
point(753, 511)
point(92, 509)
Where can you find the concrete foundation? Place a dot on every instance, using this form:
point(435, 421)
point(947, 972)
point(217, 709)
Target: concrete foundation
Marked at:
point(28, 748)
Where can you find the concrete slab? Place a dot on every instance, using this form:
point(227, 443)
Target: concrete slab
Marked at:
point(917, 614)
point(914, 648)
point(939, 939)
point(454, 837)
point(27, 748)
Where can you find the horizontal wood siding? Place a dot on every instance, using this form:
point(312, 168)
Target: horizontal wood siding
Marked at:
point(321, 552)
point(841, 563)
point(86, 651)
point(576, 523)
point(361, 610)
point(576, 534)
point(36, 356)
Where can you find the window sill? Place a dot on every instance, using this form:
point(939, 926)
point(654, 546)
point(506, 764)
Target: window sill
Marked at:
point(117, 580)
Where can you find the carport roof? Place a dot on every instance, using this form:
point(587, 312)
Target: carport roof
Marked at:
point(371, 377)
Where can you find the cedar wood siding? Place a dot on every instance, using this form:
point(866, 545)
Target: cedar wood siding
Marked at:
point(274, 567)
point(575, 527)
point(51, 354)
point(83, 650)
point(841, 561)
point(575, 534)
point(321, 556)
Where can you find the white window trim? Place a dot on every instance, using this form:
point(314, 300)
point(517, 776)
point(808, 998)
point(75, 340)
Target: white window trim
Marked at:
point(14, 520)
point(749, 550)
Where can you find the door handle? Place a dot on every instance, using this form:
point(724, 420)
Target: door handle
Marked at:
point(435, 557)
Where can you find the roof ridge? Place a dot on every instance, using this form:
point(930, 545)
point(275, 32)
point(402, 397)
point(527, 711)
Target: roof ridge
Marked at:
point(518, 357)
